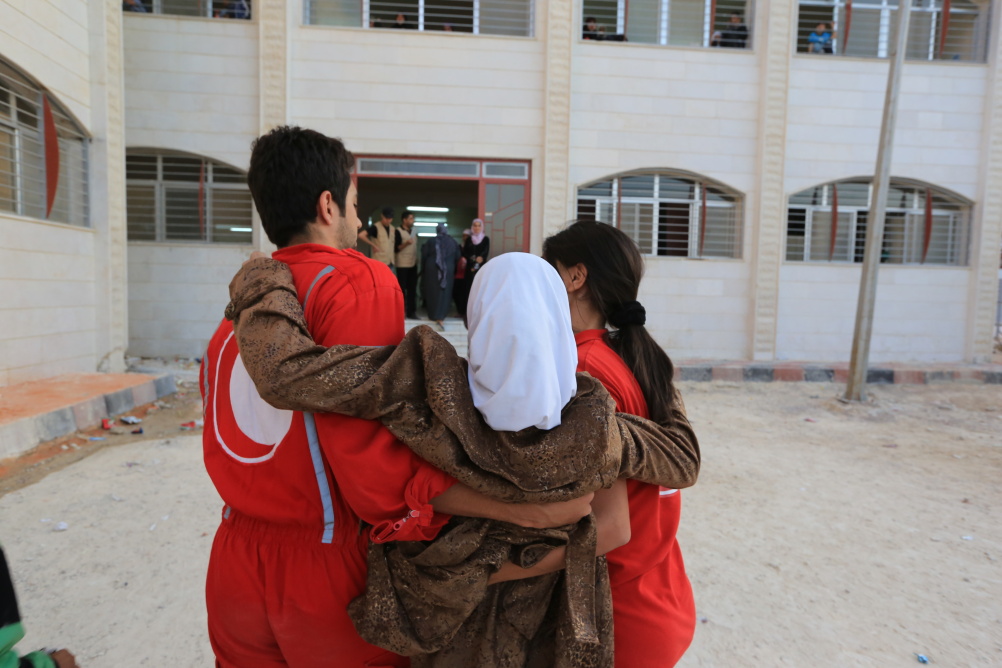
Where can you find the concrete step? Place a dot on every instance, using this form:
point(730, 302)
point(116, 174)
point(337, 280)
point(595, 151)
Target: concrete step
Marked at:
point(454, 331)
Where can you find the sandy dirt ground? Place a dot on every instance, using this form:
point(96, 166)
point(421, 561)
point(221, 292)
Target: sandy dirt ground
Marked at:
point(819, 534)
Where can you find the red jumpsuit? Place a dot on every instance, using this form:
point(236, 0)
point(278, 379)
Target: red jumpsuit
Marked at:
point(290, 552)
point(652, 604)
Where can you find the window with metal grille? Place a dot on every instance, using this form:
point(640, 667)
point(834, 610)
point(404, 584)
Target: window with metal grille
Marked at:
point(673, 214)
point(223, 9)
point(43, 154)
point(718, 23)
point(173, 198)
point(923, 224)
point(479, 17)
point(937, 29)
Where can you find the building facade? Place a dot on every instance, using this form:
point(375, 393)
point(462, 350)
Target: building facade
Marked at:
point(735, 142)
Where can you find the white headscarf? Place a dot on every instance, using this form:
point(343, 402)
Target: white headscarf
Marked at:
point(522, 350)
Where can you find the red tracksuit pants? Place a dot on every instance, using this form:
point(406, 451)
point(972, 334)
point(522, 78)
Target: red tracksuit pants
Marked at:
point(277, 597)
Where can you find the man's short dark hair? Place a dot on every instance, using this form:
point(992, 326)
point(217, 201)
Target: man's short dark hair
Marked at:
point(388, 212)
point(290, 167)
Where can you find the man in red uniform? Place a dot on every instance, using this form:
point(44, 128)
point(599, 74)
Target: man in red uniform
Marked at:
point(305, 493)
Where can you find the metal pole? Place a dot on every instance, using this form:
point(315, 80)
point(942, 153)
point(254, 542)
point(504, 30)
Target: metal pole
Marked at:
point(855, 389)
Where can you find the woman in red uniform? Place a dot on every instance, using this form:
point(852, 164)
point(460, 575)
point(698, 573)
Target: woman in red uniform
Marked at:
point(653, 608)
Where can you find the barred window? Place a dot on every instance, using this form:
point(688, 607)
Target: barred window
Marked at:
point(717, 23)
point(224, 9)
point(43, 154)
point(173, 197)
point(479, 17)
point(923, 224)
point(937, 29)
point(673, 214)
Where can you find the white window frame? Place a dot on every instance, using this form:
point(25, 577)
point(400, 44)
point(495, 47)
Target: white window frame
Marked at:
point(611, 204)
point(957, 239)
point(67, 130)
point(884, 28)
point(160, 187)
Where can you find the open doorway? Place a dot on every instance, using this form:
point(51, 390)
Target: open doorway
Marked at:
point(453, 191)
point(453, 202)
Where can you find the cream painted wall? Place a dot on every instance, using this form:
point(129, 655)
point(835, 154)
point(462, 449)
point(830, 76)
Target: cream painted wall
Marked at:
point(47, 280)
point(423, 94)
point(49, 39)
point(698, 308)
point(48, 271)
point(921, 314)
point(177, 294)
point(191, 85)
point(636, 106)
point(642, 107)
point(835, 113)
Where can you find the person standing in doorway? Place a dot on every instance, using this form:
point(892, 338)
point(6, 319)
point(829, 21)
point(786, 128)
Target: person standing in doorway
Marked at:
point(438, 264)
point(406, 262)
point(476, 250)
point(380, 236)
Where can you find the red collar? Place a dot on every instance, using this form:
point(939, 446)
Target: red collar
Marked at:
point(307, 252)
point(590, 335)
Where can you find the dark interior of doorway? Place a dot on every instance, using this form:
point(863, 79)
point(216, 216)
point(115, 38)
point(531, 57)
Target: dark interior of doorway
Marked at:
point(460, 197)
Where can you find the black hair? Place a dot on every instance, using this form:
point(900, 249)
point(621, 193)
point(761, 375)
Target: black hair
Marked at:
point(388, 212)
point(290, 167)
point(406, 214)
point(615, 267)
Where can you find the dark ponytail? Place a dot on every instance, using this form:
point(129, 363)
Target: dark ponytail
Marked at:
point(615, 267)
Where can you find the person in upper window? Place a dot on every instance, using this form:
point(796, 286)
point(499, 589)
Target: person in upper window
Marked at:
point(235, 9)
point(133, 6)
point(592, 30)
point(735, 36)
point(820, 41)
point(476, 250)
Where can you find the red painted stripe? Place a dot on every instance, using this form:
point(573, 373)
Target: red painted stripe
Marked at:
point(702, 220)
point(928, 224)
point(713, 17)
point(945, 26)
point(51, 155)
point(848, 24)
point(831, 244)
point(201, 201)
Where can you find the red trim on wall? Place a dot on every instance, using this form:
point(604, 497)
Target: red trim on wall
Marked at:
point(944, 28)
point(927, 235)
point(51, 155)
point(848, 24)
point(831, 243)
point(702, 220)
point(201, 200)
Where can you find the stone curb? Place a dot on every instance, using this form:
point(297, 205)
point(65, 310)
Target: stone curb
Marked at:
point(19, 437)
point(766, 372)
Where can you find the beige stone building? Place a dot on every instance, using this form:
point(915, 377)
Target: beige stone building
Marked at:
point(735, 141)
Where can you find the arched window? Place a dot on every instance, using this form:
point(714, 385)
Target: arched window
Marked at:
point(178, 197)
point(673, 214)
point(43, 153)
point(923, 224)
